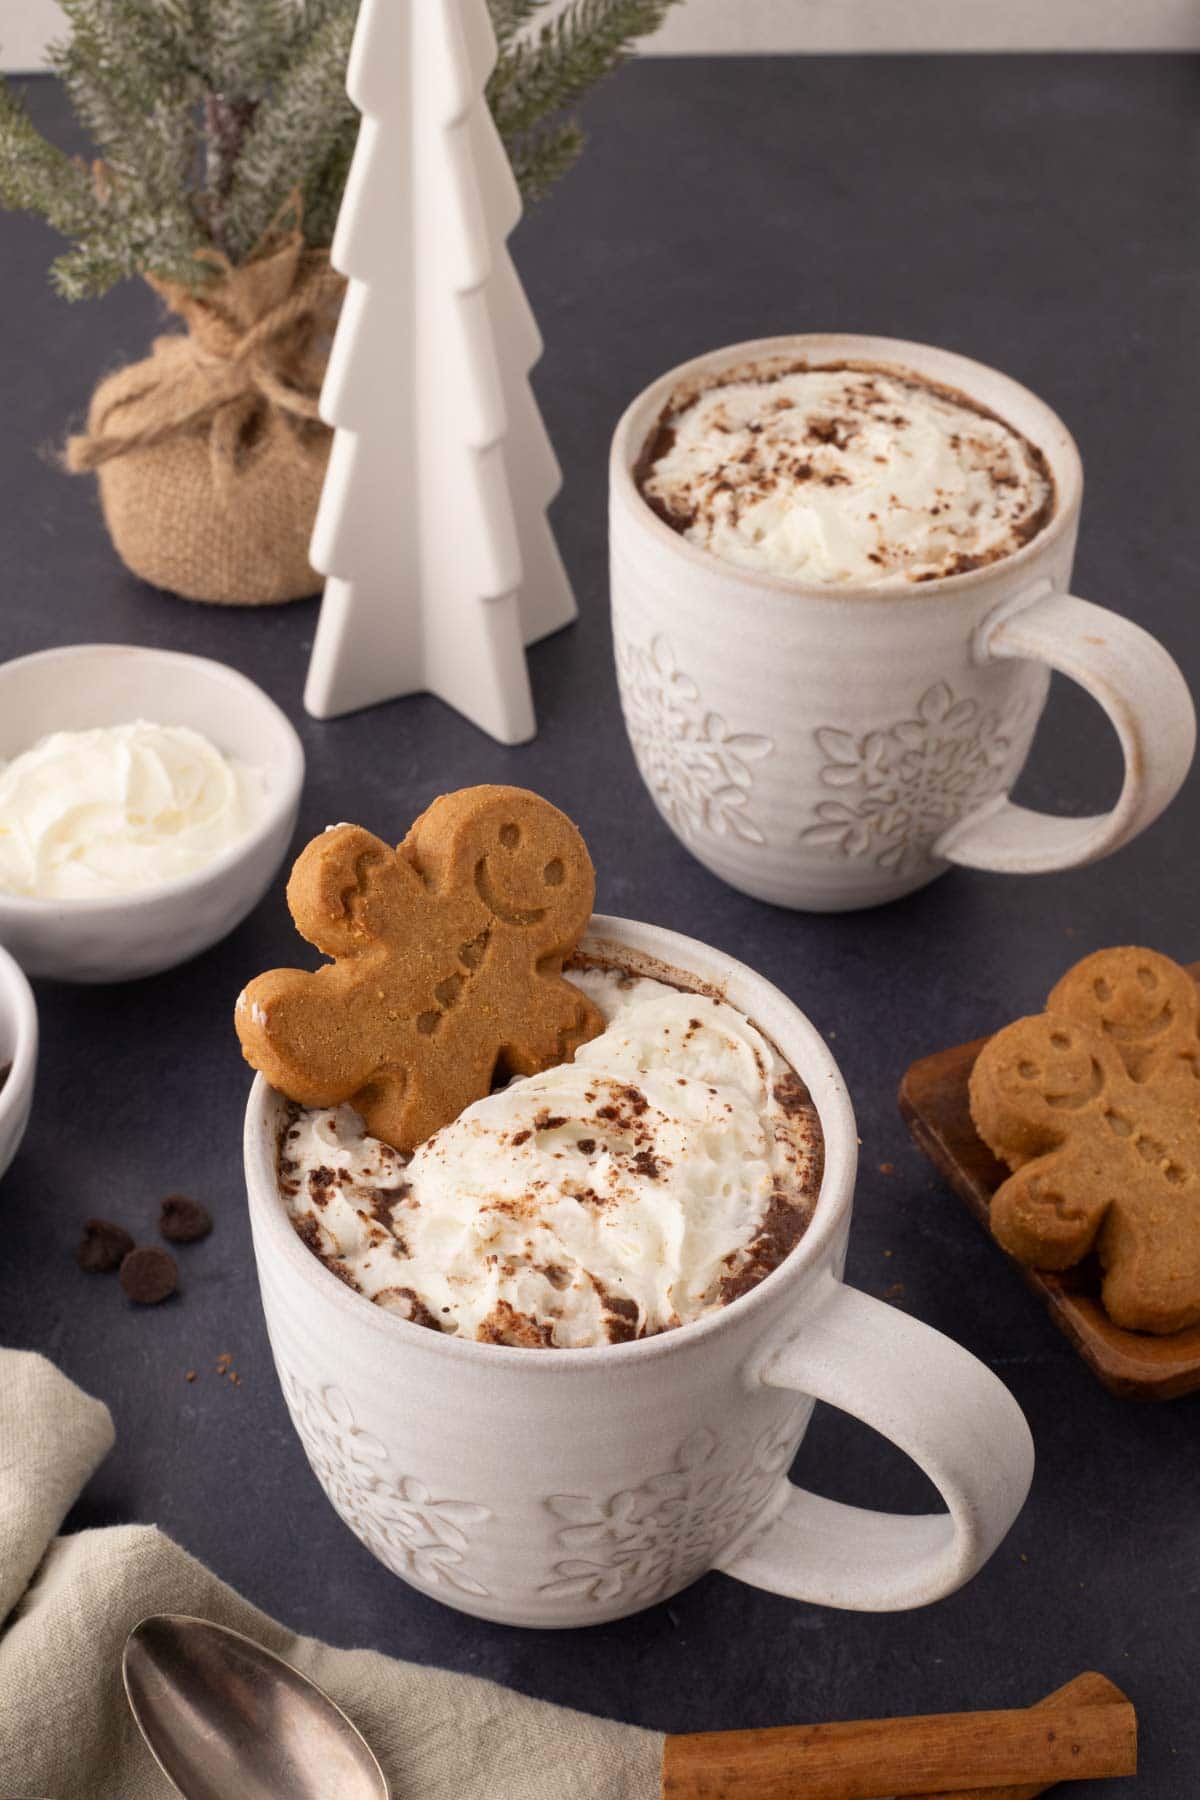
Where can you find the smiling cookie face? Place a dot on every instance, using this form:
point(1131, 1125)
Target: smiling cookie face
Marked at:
point(519, 856)
point(1039, 1074)
point(1145, 1005)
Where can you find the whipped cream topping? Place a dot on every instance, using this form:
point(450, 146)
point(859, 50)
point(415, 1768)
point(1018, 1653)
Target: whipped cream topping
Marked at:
point(85, 815)
point(662, 1173)
point(839, 476)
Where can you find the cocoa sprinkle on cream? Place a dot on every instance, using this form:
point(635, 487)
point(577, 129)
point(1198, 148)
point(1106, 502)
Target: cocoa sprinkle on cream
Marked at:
point(846, 474)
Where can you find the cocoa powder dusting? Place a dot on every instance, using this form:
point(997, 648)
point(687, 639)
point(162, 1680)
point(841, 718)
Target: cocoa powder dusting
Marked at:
point(620, 1314)
point(745, 478)
point(505, 1325)
point(409, 1304)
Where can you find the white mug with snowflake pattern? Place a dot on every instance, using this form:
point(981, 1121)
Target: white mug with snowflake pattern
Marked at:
point(566, 1487)
point(829, 748)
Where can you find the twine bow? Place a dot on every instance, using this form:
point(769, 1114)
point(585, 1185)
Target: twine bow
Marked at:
point(256, 346)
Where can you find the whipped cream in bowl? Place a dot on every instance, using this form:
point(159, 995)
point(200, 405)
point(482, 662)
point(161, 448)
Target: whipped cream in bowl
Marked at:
point(147, 800)
point(116, 809)
point(655, 1179)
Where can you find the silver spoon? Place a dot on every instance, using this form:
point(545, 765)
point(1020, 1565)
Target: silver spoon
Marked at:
point(226, 1720)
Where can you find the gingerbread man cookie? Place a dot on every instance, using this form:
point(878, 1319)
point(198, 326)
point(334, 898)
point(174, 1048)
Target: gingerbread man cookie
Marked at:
point(1095, 1106)
point(447, 963)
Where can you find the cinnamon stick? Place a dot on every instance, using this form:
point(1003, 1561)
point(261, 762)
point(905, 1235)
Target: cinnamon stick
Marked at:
point(931, 1755)
point(1089, 1689)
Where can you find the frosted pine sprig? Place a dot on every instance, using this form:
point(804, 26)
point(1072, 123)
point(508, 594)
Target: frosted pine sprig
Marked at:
point(209, 115)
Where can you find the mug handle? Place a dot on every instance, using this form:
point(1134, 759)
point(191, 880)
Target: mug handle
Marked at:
point(1145, 696)
point(939, 1404)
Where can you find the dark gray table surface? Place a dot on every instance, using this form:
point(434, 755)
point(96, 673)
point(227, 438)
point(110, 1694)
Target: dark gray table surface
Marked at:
point(1037, 212)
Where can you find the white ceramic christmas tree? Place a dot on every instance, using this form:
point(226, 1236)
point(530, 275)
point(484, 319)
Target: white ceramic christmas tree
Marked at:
point(432, 527)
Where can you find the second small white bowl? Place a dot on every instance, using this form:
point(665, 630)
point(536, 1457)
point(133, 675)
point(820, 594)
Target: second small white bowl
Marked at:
point(18, 1050)
point(85, 685)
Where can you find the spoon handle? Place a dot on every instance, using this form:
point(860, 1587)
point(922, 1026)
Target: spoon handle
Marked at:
point(928, 1755)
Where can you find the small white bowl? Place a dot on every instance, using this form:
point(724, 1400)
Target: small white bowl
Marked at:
point(18, 1046)
point(85, 685)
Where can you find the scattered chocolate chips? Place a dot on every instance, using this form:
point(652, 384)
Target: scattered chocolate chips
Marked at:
point(149, 1275)
point(103, 1247)
point(183, 1221)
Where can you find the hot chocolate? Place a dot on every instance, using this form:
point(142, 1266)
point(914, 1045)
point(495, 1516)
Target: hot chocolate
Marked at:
point(848, 474)
point(659, 1175)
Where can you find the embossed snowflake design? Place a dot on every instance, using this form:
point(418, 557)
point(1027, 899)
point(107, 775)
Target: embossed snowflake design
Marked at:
point(645, 1542)
point(394, 1515)
point(906, 785)
point(698, 770)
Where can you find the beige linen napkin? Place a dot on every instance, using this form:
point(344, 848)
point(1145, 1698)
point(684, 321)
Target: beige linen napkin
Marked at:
point(67, 1604)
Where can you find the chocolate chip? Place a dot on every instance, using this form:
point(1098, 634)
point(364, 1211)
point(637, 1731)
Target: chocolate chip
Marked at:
point(103, 1247)
point(149, 1275)
point(182, 1221)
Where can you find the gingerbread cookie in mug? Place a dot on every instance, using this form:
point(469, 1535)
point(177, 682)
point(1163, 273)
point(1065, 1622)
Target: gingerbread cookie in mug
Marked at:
point(1094, 1105)
point(446, 972)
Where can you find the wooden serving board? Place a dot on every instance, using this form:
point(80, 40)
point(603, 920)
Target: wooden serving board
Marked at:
point(1131, 1364)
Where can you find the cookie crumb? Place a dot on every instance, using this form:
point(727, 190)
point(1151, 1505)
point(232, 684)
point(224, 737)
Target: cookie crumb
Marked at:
point(190, 1376)
point(887, 1168)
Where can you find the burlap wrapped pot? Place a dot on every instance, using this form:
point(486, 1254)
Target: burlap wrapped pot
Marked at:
point(210, 454)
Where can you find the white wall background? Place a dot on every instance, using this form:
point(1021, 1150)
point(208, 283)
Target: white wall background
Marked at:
point(763, 26)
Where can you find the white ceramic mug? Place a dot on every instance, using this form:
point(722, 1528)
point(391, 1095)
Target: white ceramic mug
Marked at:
point(565, 1487)
point(829, 748)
